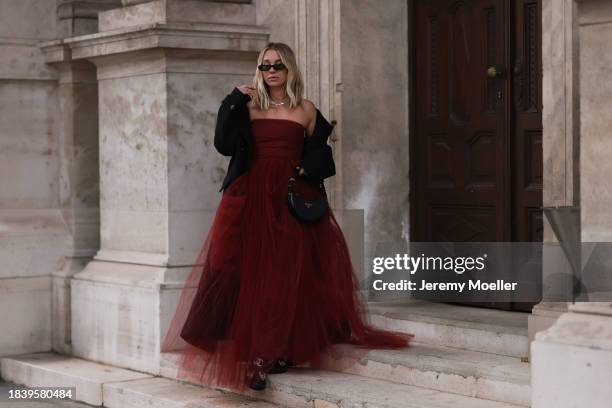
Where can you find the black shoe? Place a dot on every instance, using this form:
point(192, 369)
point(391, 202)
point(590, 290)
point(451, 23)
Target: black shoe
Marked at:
point(281, 366)
point(257, 380)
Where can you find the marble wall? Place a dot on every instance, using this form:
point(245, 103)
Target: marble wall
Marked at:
point(279, 16)
point(560, 104)
point(375, 156)
point(78, 17)
point(48, 162)
point(595, 120)
point(33, 237)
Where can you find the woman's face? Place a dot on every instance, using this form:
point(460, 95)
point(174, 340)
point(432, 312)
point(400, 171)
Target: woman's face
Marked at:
point(273, 77)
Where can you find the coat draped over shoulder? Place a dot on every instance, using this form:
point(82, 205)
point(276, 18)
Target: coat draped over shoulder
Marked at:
point(233, 138)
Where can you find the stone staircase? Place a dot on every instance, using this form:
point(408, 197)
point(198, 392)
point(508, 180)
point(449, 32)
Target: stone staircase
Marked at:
point(465, 357)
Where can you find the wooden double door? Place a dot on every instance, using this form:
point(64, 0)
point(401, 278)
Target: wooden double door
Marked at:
point(476, 146)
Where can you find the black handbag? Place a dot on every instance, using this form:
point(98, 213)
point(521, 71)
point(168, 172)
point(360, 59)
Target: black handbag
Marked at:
point(306, 210)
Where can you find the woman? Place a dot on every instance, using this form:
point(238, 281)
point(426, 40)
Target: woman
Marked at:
point(268, 290)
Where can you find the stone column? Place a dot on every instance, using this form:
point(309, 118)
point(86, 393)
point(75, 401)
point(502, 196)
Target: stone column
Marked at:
point(317, 49)
point(79, 185)
point(572, 360)
point(560, 119)
point(163, 68)
point(78, 140)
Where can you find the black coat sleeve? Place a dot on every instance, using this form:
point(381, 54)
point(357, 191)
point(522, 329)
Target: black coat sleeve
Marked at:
point(317, 158)
point(227, 130)
point(318, 163)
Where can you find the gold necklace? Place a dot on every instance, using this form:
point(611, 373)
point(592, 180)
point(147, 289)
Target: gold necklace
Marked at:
point(276, 103)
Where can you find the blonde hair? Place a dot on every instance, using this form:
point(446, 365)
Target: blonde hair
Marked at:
point(294, 86)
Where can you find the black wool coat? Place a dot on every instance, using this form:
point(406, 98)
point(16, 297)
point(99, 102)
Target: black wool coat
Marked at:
point(233, 138)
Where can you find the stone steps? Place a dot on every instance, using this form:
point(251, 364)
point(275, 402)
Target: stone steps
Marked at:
point(158, 392)
point(465, 372)
point(467, 351)
point(470, 328)
point(461, 357)
point(99, 384)
point(56, 370)
point(374, 385)
point(302, 386)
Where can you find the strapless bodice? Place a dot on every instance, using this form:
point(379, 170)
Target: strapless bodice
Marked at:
point(277, 138)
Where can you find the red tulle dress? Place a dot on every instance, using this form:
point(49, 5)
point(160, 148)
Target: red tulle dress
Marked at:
point(265, 284)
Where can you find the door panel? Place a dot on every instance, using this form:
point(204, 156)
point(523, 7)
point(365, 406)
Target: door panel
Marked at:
point(477, 122)
point(461, 130)
point(527, 85)
point(527, 165)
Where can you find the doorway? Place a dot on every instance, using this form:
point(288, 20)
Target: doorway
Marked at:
point(476, 122)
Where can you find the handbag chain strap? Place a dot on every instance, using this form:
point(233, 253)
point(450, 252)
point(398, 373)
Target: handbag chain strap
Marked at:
point(296, 174)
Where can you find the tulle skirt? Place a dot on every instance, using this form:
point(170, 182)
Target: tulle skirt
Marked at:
point(267, 285)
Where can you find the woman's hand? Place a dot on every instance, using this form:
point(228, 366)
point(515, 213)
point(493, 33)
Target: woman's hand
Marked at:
point(247, 90)
point(301, 171)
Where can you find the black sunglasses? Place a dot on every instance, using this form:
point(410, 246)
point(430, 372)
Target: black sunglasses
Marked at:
point(266, 67)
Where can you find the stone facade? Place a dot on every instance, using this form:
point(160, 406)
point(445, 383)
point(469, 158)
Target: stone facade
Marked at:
point(110, 179)
point(572, 358)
